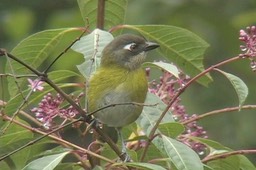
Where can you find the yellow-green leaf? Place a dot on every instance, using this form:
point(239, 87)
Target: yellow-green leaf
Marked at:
point(239, 86)
point(91, 47)
point(114, 12)
point(33, 51)
point(46, 162)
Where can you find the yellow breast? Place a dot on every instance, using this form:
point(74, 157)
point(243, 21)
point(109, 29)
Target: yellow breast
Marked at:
point(113, 85)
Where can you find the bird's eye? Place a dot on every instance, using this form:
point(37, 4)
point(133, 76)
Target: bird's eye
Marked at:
point(131, 46)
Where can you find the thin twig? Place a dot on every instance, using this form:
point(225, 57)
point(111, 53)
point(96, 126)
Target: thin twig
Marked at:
point(17, 76)
point(215, 112)
point(18, 110)
point(93, 61)
point(4, 52)
point(118, 104)
point(19, 90)
point(31, 118)
point(66, 49)
point(227, 154)
point(101, 14)
point(65, 96)
point(14, 76)
point(2, 103)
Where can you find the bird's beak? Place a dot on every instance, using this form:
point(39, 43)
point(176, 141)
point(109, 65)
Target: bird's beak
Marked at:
point(150, 46)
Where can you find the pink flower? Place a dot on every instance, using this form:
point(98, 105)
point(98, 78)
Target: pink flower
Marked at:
point(36, 84)
point(249, 38)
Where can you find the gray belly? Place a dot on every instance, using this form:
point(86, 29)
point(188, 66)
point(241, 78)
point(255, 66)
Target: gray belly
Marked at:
point(117, 115)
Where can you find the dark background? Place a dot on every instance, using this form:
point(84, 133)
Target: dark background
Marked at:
point(218, 22)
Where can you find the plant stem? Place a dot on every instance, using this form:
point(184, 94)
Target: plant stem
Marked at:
point(227, 154)
point(63, 52)
point(101, 14)
point(214, 112)
point(4, 52)
point(18, 110)
point(17, 76)
point(125, 103)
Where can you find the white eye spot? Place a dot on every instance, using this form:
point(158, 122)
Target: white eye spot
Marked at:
point(130, 47)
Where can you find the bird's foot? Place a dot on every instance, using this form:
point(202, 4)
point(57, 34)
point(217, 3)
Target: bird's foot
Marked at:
point(125, 157)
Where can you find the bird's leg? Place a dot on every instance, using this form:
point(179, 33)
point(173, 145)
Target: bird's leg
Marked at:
point(94, 122)
point(124, 151)
point(122, 141)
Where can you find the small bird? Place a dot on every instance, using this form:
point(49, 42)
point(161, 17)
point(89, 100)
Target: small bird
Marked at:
point(120, 79)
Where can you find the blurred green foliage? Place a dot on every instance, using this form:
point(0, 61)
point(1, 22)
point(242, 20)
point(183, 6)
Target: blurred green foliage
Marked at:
point(216, 21)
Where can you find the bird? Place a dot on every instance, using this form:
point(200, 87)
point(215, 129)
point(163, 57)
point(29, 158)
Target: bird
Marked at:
point(120, 79)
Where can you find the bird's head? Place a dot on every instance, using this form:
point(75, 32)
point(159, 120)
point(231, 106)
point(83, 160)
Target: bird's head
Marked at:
point(127, 51)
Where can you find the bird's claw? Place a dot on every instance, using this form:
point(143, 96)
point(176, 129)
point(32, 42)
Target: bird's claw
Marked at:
point(126, 156)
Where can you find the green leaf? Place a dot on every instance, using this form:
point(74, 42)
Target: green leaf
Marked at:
point(91, 47)
point(183, 157)
point(217, 148)
point(53, 151)
point(15, 137)
point(153, 153)
point(114, 12)
point(229, 163)
point(170, 68)
point(180, 46)
point(207, 167)
point(97, 168)
point(150, 114)
point(69, 166)
point(13, 134)
point(110, 154)
point(171, 129)
point(34, 50)
point(11, 141)
point(46, 163)
point(144, 166)
point(245, 164)
point(236, 162)
point(239, 86)
point(60, 75)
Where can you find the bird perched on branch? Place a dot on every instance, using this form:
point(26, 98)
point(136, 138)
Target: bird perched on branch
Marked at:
point(120, 79)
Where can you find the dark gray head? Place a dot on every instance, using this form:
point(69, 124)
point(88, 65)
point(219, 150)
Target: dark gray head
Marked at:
point(126, 50)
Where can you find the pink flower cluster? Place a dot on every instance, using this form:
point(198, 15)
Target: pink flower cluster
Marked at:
point(52, 107)
point(248, 37)
point(166, 88)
